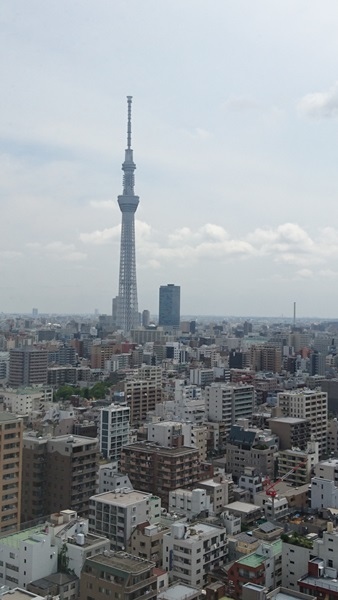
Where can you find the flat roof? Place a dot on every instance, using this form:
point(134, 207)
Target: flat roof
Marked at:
point(255, 559)
point(244, 507)
point(15, 539)
point(121, 561)
point(20, 594)
point(7, 416)
point(291, 420)
point(321, 582)
point(124, 499)
point(177, 592)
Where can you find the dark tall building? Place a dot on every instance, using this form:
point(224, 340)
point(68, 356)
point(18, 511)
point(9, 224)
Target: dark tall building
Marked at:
point(57, 472)
point(11, 428)
point(169, 306)
point(27, 366)
point(125, 306)
point(159, 470)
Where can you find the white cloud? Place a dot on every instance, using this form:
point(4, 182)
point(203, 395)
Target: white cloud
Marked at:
point(320, 104)
point(104, 204)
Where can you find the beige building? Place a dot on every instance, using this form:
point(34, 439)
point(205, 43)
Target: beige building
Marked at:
point(142, 396)
point(299, 462)
point(118, 575)
point(311, 405)
point(11, 428)
point(146, 541)
point(293, 432)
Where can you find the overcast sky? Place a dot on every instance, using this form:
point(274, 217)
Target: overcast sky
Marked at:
point(235, 138)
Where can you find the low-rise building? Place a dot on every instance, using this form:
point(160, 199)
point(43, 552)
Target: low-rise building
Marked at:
point(146, 541)
point(262, 567)
point(118, 575)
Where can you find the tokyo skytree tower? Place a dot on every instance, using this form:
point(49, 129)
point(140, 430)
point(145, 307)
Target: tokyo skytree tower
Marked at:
point(125, 307)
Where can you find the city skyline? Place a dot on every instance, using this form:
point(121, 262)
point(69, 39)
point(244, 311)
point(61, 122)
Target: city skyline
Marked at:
point(235, 126)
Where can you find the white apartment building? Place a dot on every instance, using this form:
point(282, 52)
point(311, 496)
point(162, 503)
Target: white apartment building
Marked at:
point(116, 514)
point(294, 563)
point(311, 405)
point(251, 481)
point(190, 503)
point(114, 430)
point(109, 479)
point(201, 376)
point(191, 552)
point(24, 401)
point(166, 433)
point(33, 553)
point(327, 469)
point(324, 493)
point(227, 402)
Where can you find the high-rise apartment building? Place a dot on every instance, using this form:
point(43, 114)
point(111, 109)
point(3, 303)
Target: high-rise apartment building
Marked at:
point(125, 306)
point(311, 405)
point(114, 430)
point(57, 472)
point(228, 402)
point(169, 305)
point(27, 366)
point(159, 470)
point(142, 396)
point(10, 471)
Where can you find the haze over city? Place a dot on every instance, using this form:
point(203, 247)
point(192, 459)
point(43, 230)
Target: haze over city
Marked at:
point(234, 138)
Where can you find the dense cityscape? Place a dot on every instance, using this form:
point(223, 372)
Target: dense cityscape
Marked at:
point(168, 332)
point(162, 456)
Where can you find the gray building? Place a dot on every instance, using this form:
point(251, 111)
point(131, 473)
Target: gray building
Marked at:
point(169, 305)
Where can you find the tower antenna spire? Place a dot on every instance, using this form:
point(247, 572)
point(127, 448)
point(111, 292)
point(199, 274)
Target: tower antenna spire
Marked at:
point(129, 100)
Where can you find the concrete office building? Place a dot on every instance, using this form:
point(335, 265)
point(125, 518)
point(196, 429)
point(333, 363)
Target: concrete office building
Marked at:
point(169, 306)
point(11, 430)
point(300, 462)
point(110, 479)
point(57, 471)
point(114, 430)
point(27, 366)
point(311, 405)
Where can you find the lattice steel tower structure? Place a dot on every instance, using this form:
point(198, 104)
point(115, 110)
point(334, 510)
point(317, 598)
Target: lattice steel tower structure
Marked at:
point(125, 307)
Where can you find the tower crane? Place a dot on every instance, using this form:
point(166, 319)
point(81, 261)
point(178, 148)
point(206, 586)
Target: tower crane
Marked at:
point(271, 486)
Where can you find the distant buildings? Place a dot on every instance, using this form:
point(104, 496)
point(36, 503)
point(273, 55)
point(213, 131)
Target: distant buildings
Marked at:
point(169, 306)
point(27, 366)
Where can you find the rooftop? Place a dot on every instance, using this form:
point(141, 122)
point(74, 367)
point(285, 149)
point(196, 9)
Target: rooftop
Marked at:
point(244, 507)
point(177, 591)
point(6, 416)
point(32, 535)
point(151, 447)
point(325, 583)
point(290, 420)
point(125, 498)
point(19, 594)
point(255, 559)
point(121, 562)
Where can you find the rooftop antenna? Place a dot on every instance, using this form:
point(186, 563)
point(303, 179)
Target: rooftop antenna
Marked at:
point(129, 100)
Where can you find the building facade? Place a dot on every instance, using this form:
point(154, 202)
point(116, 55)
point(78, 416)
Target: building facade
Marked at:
point(169, 305)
